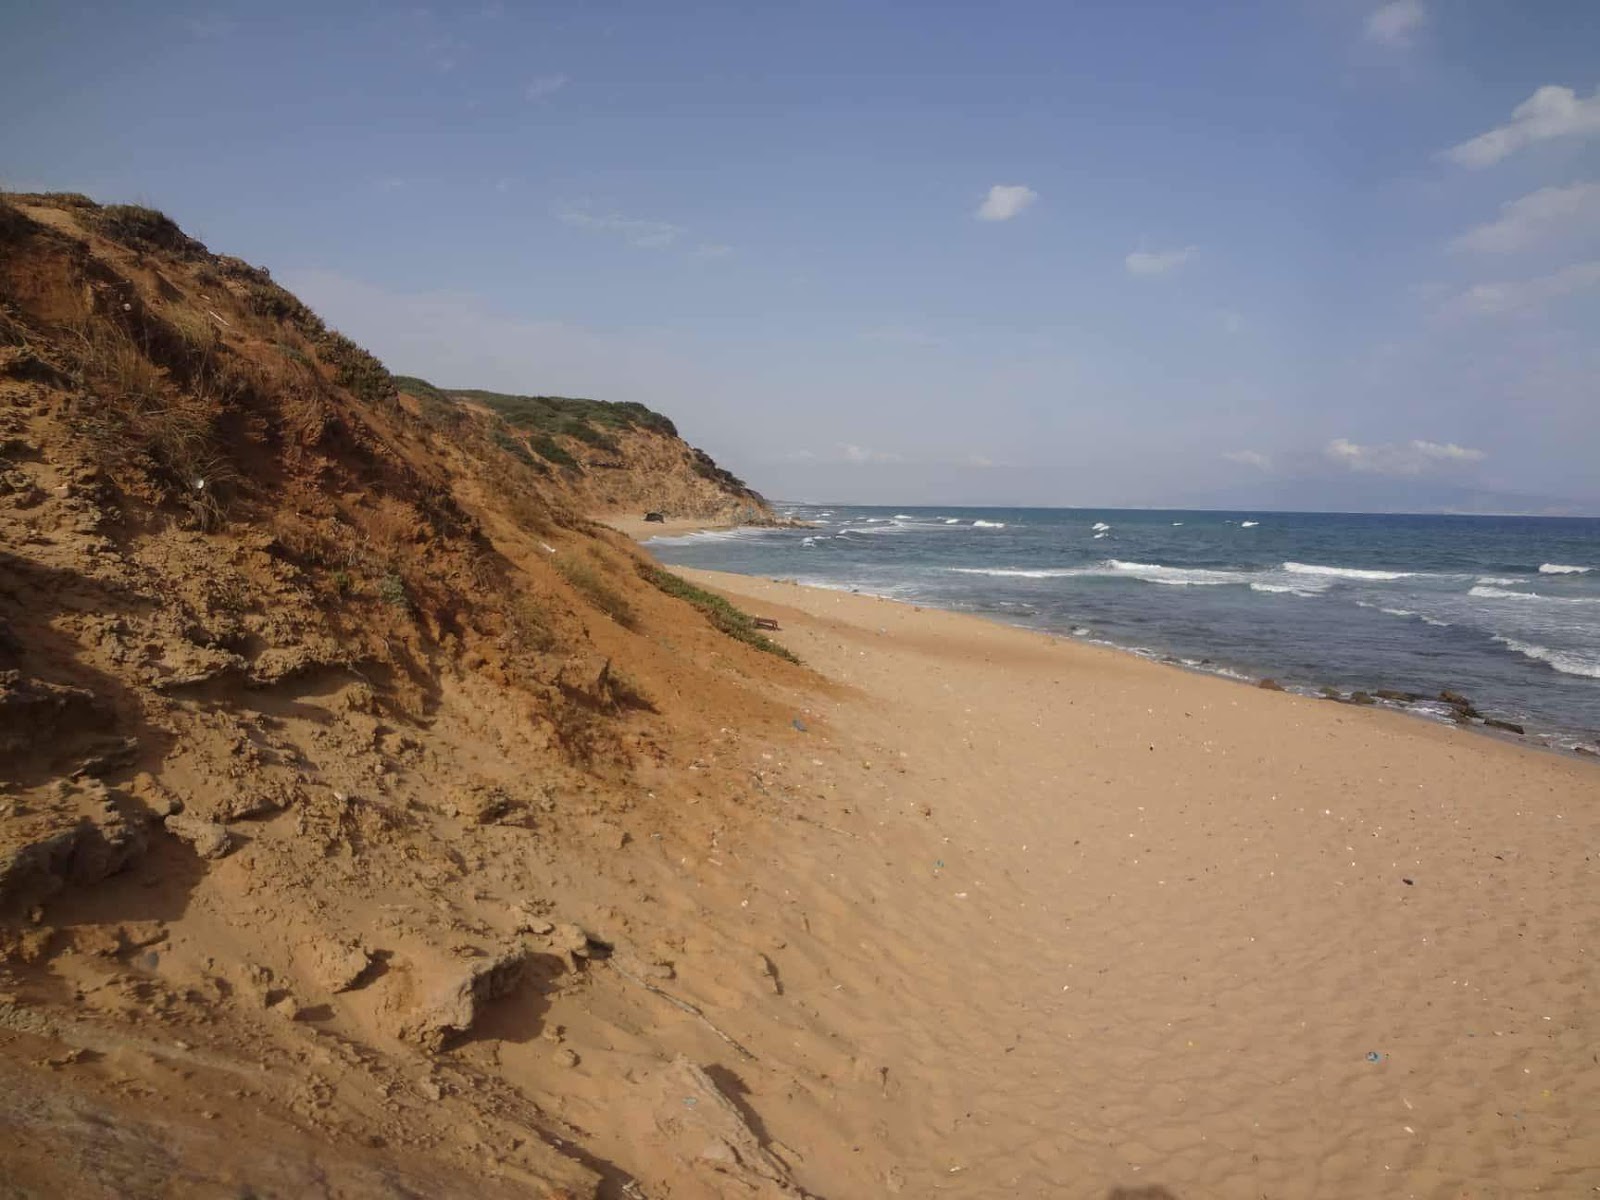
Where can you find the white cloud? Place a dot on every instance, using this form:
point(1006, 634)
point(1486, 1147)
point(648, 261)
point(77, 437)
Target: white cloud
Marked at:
point(1551, 112)
point(1537, 215)
point(1004, 201)
point(1521, 295)
point(1158, 262)
point(861, 454)
point(652, 235)
point(1395, 23)
point(544, 85)
point(1409, 458)
point(1249, 458)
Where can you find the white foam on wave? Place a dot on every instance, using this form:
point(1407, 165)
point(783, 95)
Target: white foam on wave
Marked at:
point(988, 524)
point(1099, 526)
point(1562, 569)
point(1098, 536)
point(1287, 589)
point(1175, 524)
point(1565, 661)
point(904, 517)
point(710, 535)
point(1496, 581)
point(1494, 593)
point(952, 520)
point(1295, 568)
point(1248, 524)
point(1405, 613)
point(1175, 576)
point(1020, 573)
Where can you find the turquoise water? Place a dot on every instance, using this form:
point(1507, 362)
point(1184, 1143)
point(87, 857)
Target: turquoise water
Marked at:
point(1503, 609)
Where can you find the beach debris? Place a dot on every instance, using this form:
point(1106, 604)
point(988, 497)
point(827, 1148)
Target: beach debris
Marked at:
point(763, 622)
point(1270, 685)
point(565, 1057)
point(1373, 1056)
point(799, 724)
point(1408, 882)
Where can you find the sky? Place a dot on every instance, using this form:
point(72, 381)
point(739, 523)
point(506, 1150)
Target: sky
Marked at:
point(1252, 253)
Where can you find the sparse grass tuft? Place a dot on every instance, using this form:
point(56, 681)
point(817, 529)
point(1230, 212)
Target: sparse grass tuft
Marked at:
point(597, 590)
point(732, 621)
point(392, 591)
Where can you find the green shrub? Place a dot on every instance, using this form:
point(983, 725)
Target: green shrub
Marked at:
point(723, 616)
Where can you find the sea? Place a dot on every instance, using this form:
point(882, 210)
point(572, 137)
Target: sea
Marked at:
point(1502, 610)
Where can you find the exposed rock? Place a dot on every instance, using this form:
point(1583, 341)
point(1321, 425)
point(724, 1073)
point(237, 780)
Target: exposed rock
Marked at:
point(1507, 726)
point(706, 1131)
point(1397, 697)
point(71, 833)
point(565, 1058)
point(339, 966)
point(210, 839)
point(455, 1007)
point(1270, 685)
point(1362, 698)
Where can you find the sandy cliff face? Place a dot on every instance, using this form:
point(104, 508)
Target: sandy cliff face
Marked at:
point(323, 719)
point(601, 458)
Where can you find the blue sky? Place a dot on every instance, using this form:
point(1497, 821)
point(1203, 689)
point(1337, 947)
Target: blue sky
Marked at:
point(1322, 253)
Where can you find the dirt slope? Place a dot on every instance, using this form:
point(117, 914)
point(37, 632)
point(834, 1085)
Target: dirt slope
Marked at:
point(325, 722)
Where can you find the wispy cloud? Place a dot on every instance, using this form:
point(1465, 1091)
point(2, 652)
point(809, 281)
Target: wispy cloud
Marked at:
point(712, 250)
point(1538, 215)
point(1004, 201)
point(544, 85)
point(1232, 322)
point(1249, 458)
point(1522, 295)
point(650, 235)
point(1551, 112)
point(1158, 262)
point(862, 454)
point(1396, 23)
point(1418, 457)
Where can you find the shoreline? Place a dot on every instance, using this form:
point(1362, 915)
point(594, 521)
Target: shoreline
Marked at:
point(1532, 737)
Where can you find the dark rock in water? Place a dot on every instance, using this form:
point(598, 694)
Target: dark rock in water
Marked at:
point(1361, 698)
point(1397, 697)
point(1584, 750)
point(1270, 685)
point(1455, 700)
point(1508, 726)
point(1331, 693)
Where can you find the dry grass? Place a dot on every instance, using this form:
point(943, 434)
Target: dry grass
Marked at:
point(597, 590)
point(134, 415)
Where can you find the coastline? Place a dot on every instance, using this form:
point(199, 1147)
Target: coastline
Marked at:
point(1082, 918)
point(1428, 710)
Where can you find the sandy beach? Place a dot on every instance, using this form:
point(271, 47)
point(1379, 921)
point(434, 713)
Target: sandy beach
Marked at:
point(1058, 921)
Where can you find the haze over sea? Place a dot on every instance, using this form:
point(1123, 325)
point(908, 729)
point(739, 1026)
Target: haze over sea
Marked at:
point(1503, 609)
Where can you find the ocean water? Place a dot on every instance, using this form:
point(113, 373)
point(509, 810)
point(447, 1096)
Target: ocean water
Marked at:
point(1503, 609)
